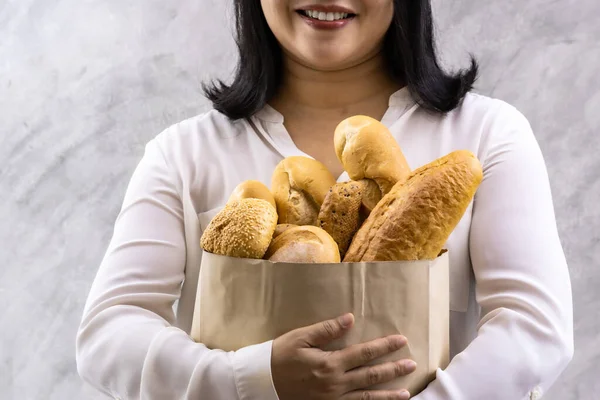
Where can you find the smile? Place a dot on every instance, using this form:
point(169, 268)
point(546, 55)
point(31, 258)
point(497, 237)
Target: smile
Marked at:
point(325, 16)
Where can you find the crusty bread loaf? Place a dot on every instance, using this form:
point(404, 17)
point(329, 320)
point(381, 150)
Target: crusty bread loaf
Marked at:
point(303, 244)
point(414, 220)
point(280, 228)
point(299, 185)
point(252, 189)
point(242, 229)
point(367, 149)
point(340, 214)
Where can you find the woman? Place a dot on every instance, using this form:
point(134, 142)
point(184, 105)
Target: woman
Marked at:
point(304, 66)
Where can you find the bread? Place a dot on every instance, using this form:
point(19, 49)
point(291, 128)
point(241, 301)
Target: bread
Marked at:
point(345, 208)
point(303, 244)
point(280, 228)
point(414, 220)
point(242, 229)
point(340, 214)
point(371, 195)
point(367, 150)
point(299, 185)
point(252, 189)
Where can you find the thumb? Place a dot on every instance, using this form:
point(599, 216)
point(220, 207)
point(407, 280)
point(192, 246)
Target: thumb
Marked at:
point(327, 331)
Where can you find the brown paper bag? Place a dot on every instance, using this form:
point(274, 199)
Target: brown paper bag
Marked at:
point(242, 302)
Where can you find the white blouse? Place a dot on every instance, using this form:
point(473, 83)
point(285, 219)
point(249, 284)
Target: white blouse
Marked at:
point(511, 311)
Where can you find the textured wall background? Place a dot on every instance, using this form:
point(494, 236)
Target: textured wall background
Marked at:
point(84, 84)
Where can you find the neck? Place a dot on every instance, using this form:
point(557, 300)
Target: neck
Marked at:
point(306, 91)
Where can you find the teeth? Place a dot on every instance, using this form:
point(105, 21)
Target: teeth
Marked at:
point(322, 16)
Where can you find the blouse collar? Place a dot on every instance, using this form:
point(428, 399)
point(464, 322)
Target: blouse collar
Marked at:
point(399, 99)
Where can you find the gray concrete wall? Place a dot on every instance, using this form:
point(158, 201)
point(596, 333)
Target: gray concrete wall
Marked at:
point(84, 84)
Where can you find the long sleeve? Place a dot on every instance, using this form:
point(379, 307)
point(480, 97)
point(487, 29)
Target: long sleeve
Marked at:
point(525, 335)
point(127, 345)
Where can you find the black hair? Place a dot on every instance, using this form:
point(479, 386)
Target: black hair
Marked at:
point(409, 50)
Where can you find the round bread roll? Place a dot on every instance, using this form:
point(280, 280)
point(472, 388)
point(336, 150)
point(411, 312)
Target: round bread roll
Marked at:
point(304, 244)
point(282, 228)
point(242, 229)
point(299, 185)
point(252, 189)
point(367, 150)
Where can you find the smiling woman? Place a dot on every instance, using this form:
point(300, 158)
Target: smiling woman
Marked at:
point(311, 31)
point(393, 38)
point(304, 66)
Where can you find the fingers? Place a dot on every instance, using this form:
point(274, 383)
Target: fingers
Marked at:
point(376, 395)
point(360, 354)
point(365, 377)
point(324, 332)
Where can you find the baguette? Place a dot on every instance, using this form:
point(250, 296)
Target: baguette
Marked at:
point(414, 220)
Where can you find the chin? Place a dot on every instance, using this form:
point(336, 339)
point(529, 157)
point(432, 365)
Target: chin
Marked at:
point(325, 65)
point(327, 60)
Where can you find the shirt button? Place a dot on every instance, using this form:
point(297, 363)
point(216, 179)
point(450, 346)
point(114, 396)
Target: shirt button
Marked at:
point(535, 394)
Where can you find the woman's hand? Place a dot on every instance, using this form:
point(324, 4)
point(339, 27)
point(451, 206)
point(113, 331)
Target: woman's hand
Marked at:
point(301, 370)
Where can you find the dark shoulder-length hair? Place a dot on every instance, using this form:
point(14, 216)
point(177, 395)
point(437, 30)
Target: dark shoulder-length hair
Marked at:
point(409, 50)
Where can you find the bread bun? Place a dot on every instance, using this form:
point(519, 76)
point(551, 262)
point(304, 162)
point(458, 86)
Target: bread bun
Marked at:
point(252, 189)
point(242, 229)
point(299, 185)
point(280, 228)
point(340, 214)
point(303, 244)
point(367, 149)
point(414, 220)
point(371, 195)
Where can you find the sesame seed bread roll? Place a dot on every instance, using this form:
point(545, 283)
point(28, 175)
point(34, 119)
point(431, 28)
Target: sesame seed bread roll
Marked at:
point(299, 185)
point(242, 229)
point(304, 244)
point(414, 220)
point(367, 150)
point(252, 189)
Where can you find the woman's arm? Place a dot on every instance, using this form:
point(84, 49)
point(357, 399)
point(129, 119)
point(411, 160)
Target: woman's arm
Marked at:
point(525, 336)
point(126, 344)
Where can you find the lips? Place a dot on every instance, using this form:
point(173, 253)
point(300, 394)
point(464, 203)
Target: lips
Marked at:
point(326, 17)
